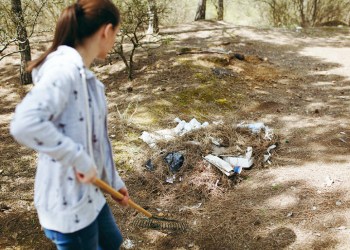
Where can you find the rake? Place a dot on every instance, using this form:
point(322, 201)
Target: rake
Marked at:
point(151, 221)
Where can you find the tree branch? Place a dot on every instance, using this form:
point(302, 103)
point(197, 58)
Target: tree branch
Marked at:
point(11, 53)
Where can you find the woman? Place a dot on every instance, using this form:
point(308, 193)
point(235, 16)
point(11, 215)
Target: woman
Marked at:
point(64, 119)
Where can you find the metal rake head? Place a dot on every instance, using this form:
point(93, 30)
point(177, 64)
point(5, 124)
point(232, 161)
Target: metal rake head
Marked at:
point(160, 223)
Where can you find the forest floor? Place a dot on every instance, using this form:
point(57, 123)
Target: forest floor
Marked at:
point(295, 82)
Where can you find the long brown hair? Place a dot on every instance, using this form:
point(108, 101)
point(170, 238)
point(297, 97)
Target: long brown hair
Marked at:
point(79, 21)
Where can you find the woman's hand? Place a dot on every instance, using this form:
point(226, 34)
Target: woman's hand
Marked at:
point(87, 177)
point(124, 201)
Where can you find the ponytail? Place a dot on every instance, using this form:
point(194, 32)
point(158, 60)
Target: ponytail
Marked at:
point(79, 21)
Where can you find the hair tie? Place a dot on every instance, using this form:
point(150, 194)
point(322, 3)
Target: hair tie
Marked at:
point(78, 9)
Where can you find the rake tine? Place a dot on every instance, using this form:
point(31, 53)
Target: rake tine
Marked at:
point(152, 221)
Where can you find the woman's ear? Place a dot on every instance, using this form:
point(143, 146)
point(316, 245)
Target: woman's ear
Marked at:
point(108, 30)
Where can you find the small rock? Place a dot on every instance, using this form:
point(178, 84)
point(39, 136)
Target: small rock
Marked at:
point(338, 203)
point(314, 208)
point(4, 207)
point(257, 223)
point(225, 43)
point(160, 214)
point(290, 214)
point(239, 56)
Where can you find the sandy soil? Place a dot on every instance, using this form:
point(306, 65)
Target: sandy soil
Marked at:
point(296, 82)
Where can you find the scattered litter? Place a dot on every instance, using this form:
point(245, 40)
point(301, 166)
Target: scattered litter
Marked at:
point(268, 154)
point(317, 234)
point(290, 214)
point(217, 183)
point(215, 141)
point(222, 165)
point(329, 181)
point(184, 208)
point(174, 161)
point(190, 245)
point(128, 244)
point(149, 165)
point(257, 127)
point(341, 139)
point(341, 228)
point(244, 162)
point(159, 209)
point(220, 122)
point(1, 171)
point(197, 143)
point(237, 169)
point(338, 203)
point(170, 179)
point(168, 134)
point(221, 150)
point(298, 29)
point(314, 208)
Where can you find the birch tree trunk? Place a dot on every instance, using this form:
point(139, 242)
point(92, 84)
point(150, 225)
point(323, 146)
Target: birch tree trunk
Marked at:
point(200, 14)
point(153, 23)
point(23, 42)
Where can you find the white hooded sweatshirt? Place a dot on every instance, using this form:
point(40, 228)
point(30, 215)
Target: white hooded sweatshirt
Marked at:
point(52, 119)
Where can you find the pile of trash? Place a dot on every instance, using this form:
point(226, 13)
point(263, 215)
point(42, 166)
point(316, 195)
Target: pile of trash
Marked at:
point(227, 146)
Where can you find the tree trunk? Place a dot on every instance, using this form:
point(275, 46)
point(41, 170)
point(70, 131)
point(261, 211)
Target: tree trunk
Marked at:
point(23, 42)
point(220, 10)
point(314, 12)
point(302, 13)
point(153, 23)
point(200, 15)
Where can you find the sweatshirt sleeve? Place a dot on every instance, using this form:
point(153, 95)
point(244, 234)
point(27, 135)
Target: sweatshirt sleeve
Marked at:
point(32, 124)
point(117, 182)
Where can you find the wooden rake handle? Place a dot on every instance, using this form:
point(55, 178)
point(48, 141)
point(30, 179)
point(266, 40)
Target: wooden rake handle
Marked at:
point(107, 188)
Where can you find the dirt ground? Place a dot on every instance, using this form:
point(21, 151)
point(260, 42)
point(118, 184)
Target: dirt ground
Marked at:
point(295, 81)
